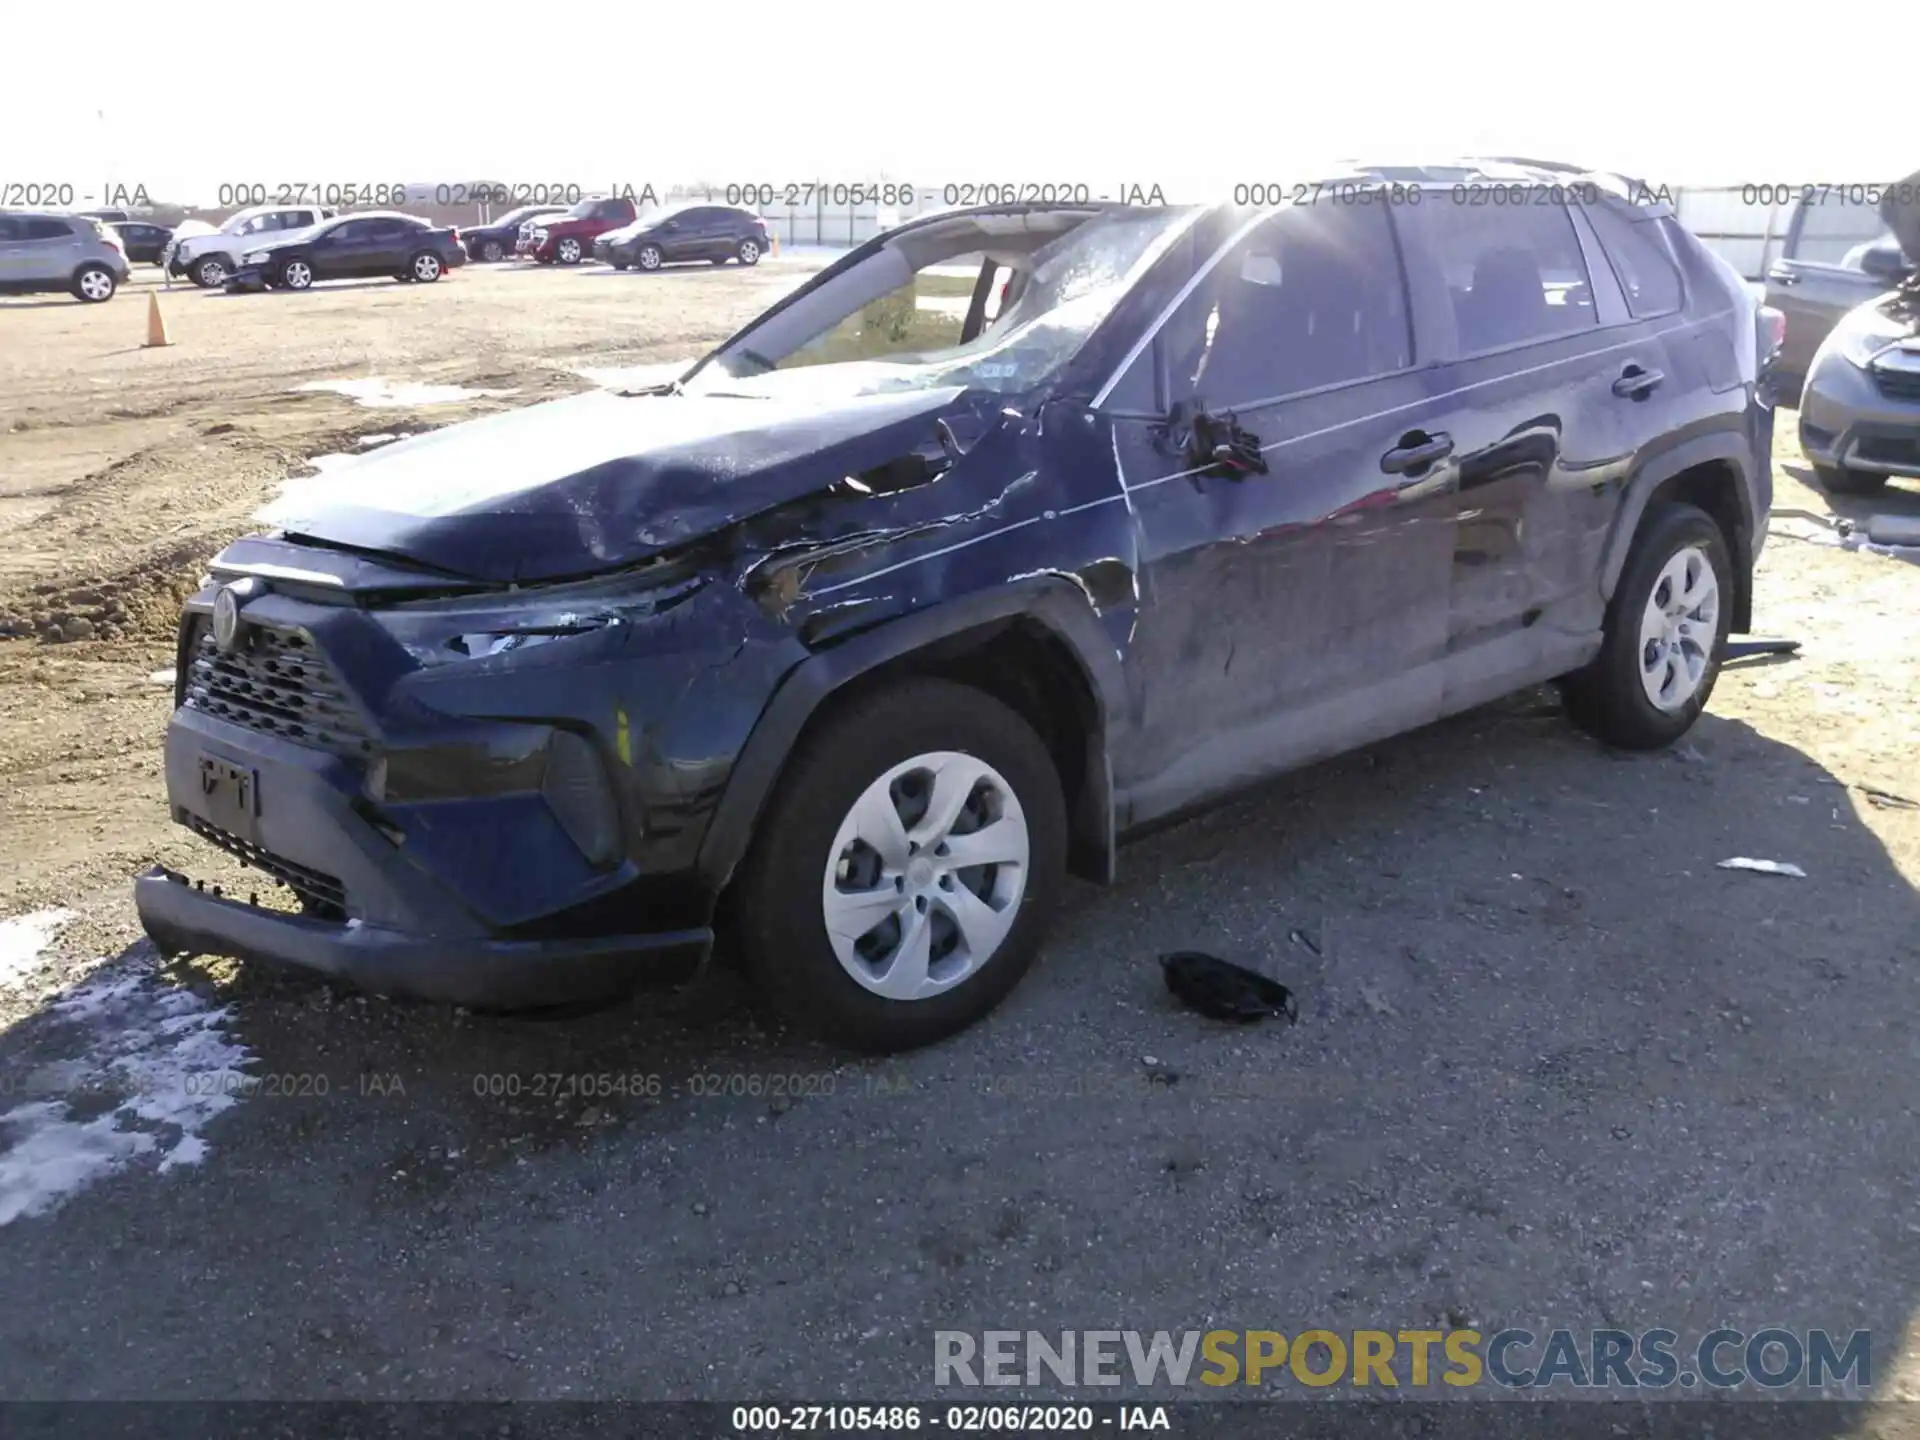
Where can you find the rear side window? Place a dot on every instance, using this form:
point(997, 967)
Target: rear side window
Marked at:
point(1642, 260)
point(1313, 297)
point(1515, 274)
point(44, 227)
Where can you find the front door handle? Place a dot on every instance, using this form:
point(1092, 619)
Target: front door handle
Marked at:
point(1636, 383)
point(1781, 276)
point(1416, 450)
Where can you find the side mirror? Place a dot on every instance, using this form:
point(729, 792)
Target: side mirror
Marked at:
point(1884, 262)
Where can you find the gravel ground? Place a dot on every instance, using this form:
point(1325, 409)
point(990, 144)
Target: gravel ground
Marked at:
point(1552, 1068)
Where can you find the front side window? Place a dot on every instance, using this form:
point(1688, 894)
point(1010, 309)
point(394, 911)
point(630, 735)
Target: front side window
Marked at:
point(1514, 273)
point(1313, 297)
point(1832, 225)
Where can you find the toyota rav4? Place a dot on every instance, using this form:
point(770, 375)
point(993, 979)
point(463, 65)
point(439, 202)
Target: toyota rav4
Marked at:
point(921, 592)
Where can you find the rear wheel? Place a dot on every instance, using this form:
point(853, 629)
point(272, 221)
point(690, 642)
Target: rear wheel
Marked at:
point(901, 880)
point(1666, 632)
point(749, 252)
point(94, 283)
point(1839, 480)
point(424, 267)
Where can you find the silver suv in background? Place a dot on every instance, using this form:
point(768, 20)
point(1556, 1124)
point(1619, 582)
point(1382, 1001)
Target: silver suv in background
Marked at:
point(75, 253)
point(1839, 252)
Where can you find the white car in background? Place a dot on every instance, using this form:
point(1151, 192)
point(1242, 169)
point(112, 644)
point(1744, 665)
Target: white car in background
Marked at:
point(209, 258)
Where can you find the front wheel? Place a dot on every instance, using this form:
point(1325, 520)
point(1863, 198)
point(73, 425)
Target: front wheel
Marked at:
point(568, 251)
point(1666, 633)
point(648, 257)
point(296, 275)
point(490, 251)
point(1840, 480)
point(211, 272)
point(901, 880)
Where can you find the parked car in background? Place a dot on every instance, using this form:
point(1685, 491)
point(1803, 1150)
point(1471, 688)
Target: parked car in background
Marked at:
point(714, 233)
point(498, 239)
point(41, 251)
point(378, 242)
point(1860, 410)
point(568, 237)
point(145, 243)
point(108, 215)
point(209, 259)
point(858, 636)
point(1837, 254)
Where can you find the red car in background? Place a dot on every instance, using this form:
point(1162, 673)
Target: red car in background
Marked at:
point(569, 238)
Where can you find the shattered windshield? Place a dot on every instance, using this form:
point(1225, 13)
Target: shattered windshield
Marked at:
point(1042, 306)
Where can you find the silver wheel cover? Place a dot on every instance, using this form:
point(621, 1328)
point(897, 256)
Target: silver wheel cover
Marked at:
point(1678, 629)
point(925, 875)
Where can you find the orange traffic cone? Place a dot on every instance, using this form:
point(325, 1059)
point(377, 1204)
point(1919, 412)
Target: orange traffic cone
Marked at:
point(773, 243)
point(156, 322)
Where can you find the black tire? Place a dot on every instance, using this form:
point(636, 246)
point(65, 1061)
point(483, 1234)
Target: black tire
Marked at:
point(561, 249)
point(201, 275)
point(292, 279)
point(649, 257)
point(1607, 699)
point(748, 252)
point(774, 912)
point(425, 274)
point(618, 264)
point(1839, 480)
point(97, 278)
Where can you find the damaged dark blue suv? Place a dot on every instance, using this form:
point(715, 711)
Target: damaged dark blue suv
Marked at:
point(1016, 530)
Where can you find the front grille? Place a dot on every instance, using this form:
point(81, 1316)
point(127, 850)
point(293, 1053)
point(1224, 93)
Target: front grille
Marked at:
point(321, 895)
point(280, 684)
point(1898, 384)
point(1888, 449)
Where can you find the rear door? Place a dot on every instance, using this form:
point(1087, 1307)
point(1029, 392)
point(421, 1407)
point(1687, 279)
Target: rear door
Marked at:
point(1299, 612)
point(1525, 386)
point(1818, 277)
point(48, 247)
point(343, 250)
point(390, 241)
point(13, 250)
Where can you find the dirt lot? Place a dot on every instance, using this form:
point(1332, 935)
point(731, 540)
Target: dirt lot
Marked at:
point(1553, 1066)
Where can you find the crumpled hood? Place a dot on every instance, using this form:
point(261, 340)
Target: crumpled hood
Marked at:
point(597, 481)
point(1900, 208)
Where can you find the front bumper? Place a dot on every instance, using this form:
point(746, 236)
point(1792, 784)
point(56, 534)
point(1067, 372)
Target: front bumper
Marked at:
point(458, 970)
point(1847, 419)
point(386, 923)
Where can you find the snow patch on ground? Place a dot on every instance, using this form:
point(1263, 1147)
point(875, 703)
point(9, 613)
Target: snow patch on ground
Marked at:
point(633, 377)
point(379, 392)
point(159, 1053)
point(23, 938)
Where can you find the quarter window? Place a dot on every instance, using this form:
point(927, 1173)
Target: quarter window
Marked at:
point(38, 227)
point(1515, 273)
point(1641, 260)
point(1314, 297)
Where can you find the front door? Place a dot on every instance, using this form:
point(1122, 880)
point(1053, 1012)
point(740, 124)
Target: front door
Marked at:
point(1295, 613)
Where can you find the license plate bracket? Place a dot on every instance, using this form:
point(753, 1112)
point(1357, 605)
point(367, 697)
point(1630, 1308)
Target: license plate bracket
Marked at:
point(230, 797)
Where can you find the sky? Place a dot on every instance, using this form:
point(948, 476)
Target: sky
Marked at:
point(1198, 96)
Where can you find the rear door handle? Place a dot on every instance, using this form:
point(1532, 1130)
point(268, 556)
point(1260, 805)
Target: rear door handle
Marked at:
point(1416, 451)
point(1636, 384)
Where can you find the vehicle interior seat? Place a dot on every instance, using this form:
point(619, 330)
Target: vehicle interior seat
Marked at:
point(1507, 302)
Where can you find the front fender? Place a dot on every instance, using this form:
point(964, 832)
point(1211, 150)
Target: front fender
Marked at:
point(1054, 603)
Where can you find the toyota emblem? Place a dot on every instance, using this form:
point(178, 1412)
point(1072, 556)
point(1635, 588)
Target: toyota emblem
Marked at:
point(226, 619)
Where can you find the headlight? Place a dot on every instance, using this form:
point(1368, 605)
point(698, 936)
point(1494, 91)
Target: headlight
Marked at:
point(475, 627)
point(1864, 333)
